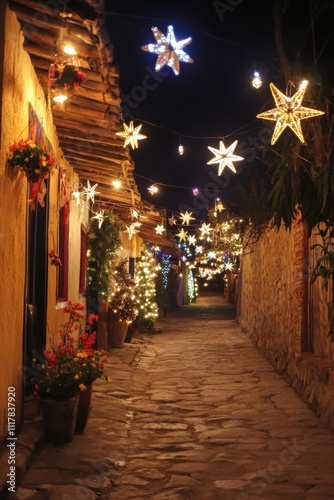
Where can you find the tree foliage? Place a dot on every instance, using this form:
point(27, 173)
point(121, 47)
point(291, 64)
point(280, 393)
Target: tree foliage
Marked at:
point(102, 244)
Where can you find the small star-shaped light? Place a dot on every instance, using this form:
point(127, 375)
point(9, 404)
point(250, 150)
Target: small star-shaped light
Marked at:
point(183, 235)
point(131, 135)
point(159, 229)
point(131, 230)
point(90, 191)
point(168, 50)
point(100, 217)
point(205, 229)
point(199, 249)
point(229, 266)
point(211, 255)
point(224, 156)
point(289, 112)
point(186, 217)
point(192, 240)
point(134, 213)
point(153, 189)
point(172, 220)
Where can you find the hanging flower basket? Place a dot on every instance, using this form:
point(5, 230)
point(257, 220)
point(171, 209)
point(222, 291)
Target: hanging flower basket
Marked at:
point(36, 164)
point(65, 77)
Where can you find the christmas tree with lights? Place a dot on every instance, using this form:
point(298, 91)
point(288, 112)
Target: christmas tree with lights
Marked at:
point(122, 300)
point(145, 290)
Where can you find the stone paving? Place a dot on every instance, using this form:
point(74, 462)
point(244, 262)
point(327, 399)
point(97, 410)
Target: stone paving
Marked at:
point(195, 412)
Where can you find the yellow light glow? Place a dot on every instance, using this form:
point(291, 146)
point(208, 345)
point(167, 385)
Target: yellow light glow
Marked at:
point(60, 98)
point(68, 49)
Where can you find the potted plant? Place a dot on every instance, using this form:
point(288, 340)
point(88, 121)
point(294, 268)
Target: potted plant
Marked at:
point(36, 164)
point(122, 304)
point(66, 371)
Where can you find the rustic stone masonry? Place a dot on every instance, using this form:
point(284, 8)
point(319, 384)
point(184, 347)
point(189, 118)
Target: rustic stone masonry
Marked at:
point(287, 317)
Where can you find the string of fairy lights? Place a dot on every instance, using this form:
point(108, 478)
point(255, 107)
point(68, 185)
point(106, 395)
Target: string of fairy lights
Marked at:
point(213, 246)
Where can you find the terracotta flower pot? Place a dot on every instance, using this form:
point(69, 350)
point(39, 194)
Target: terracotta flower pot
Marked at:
point(59, 419)
point(117, 331)
point(85, 398)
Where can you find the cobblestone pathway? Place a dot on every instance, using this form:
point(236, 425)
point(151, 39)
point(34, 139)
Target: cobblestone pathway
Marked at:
point(194, 413)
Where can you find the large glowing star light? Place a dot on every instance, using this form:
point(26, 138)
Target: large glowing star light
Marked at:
point(182, 235)
point(131, 135)
point(289, 112)
point(224, 156)
point(186, 217)
point(168, 50)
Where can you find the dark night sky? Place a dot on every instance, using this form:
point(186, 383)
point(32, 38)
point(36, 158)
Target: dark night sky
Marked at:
point(210, 99)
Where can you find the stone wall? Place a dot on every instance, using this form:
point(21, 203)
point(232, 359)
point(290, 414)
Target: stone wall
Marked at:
point(286, 317)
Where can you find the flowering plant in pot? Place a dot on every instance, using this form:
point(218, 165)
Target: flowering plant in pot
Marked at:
point(66, 370)
point(36, 164)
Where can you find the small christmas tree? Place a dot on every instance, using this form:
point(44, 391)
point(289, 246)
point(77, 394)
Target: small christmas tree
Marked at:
point(145, 290)
point(122, 299)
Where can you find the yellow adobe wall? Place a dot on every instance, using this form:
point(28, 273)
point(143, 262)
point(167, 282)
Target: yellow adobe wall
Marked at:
point(130, 248)
point(21, 88)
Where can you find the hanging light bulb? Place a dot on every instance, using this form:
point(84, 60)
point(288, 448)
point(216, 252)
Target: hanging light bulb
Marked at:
point(257, 81)
point(117, 182)
point(195, 191)
point(68, 49)
point(59, 96)
point(153, 189)
point(181, 149)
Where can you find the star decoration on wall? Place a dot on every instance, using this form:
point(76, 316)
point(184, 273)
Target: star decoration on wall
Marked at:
point(224, 156)
point(100, 217)
point(168, 50)
point(192, 240)
point(90, 191)
point(289, 112)
point(229, 266)
point(134, 213)
point(199, 249)
point(132, 229)
point(182, 235)
point(186, 217)
point(131, 135)
point(159, 229)
point(205, 229)
point(172, 220)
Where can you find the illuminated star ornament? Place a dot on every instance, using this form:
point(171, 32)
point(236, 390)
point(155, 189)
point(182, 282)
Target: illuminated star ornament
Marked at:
point(132, 229)
point(186, 217)
point(100, 217)
point(159, 229)
point(205, 229)
point(289, 112)
point(182, 235)
point(192, 240)
point(168, 50)
point(172, 220)
point(131, 135)
point(90, 191)
point(224, 156)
